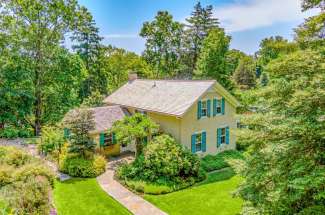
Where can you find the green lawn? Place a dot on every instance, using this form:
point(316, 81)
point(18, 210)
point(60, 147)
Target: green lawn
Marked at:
point(212, 198)
point(84, 196)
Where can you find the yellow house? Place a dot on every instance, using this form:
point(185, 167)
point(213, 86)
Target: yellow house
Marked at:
point(198, 114)
point(103, 118)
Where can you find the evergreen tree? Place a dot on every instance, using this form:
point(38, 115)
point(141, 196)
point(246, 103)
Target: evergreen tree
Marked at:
point(245, 72)
point(80, 122)
point(198, 27)
point(212, 59)
point(88, 47)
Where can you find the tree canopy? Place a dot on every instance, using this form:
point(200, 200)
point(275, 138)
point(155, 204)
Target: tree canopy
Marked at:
point(284, 173)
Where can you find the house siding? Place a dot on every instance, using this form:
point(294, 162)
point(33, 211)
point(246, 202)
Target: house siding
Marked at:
point(107, 150)
point(169, 124)
point(183, 128)
point(190, 125)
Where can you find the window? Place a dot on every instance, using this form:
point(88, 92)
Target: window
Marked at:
point(223, 136)
point(198, 142)
point(218, 106)
point(108, 139)
point(204, 109)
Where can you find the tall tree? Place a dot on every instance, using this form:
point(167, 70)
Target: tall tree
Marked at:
point(285, 169)
point(308, 4)
point(118, 63)
point(245, 72)
point(163, 44)
point(212, 60)
point(311, 33)
point(198, 27)
point(271, 48)
point(36, 29)
point(233, 57)
point(87, 45)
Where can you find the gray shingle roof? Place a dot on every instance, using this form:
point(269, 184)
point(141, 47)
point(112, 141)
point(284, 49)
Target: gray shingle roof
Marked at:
point(172, 97)
point(104, 117)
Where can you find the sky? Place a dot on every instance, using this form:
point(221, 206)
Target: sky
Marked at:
point(246, 21)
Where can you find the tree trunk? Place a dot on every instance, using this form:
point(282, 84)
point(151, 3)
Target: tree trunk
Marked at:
point(38, 112)
point(138, 147)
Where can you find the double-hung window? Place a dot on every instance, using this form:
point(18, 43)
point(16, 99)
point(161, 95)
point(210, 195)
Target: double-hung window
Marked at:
point(223, 136)
point(198, 142)
point(204, 108)
point(218, 107)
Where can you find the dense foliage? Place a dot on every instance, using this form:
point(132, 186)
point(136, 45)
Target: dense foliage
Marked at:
point(212, 59)
point(285, 171)
point(244, 75)
point(164, 162)
point(25, 183)
point(219, 161)
point(80, 123)
point(163, 42)
point(85, 168)
point(137, 129)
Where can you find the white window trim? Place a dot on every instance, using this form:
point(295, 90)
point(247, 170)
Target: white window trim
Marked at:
point(199, 132)
point(218, 100)
point(206, 101)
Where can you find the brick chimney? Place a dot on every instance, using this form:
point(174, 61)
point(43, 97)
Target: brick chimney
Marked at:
point(133, 76)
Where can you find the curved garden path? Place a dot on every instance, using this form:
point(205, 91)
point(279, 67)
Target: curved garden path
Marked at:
point(131, 201)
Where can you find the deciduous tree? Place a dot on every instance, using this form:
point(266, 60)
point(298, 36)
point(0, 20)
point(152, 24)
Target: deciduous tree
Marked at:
point(134, 129)
point(285, 173)
point(212, 60)
point(163, 44)
point(35, 30)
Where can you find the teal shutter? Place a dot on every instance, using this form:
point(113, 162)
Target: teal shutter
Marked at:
point(223, 106)
point(204, 140)
point(66, 133)
point(214, 107)
point(209, 107)
point(199, 106)
point(193, 143)
point(218, 137)
point(113, 138)
point(227, 135)
point(101, 139)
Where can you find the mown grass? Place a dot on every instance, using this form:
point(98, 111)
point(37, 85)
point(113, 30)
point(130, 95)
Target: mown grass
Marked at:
point(84, 196)
point(212, 196)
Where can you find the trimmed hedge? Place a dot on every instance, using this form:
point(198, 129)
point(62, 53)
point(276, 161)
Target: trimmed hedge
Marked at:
point(219, 161)
point(80, 167)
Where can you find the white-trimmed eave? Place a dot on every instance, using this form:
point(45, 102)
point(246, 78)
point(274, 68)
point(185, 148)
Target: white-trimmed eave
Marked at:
point(220, 90)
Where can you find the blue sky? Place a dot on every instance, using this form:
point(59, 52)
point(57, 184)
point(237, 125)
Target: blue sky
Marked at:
point(247, 21)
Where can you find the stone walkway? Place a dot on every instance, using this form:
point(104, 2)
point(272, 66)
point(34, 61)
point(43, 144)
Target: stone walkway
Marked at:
point(131, 201)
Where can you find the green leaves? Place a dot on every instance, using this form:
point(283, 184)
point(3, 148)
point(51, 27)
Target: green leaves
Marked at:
point(133, 129)
point(285, 168)
point(212, 59)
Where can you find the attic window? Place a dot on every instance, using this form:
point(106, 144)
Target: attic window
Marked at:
point(204, 109)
